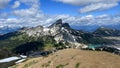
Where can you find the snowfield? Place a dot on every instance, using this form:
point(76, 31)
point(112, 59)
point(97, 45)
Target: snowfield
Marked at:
point(9, 59)
point(13, 58)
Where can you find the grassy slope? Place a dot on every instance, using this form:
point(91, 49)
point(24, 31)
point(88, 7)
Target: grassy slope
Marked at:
point(73, 58)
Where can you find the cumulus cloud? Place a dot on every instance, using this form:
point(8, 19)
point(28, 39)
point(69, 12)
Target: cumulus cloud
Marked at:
point(92, 5)
point(23, 17)
point(46, 20)
point(97, 6)
point(29, 12)
point(31, 16)
point(16, 4)
point(85, 2)
point(3, 3)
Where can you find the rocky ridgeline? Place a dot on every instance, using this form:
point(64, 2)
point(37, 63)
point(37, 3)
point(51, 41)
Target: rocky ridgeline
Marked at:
point(63, 32)
point(60, 31)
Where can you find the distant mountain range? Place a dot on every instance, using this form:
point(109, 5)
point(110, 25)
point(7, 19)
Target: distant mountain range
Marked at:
point(103, 31)
point(89, 28)
point(92, 28)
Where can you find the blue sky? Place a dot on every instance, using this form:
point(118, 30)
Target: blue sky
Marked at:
point(52, 7)
point(15, 13)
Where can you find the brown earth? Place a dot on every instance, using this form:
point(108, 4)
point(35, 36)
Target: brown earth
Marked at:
point(73, 58)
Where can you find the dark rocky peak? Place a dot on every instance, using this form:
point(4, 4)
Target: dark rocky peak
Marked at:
point(24, 28)
point(39, 26)
point(66, 25)
point(60, 24)
point(57, 23)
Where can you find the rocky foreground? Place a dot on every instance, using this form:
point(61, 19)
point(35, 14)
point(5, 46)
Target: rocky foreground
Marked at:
point(73, 58)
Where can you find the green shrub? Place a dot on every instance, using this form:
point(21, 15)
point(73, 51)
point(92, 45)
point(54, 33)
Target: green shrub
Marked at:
point(60, 66)
point(77, 65)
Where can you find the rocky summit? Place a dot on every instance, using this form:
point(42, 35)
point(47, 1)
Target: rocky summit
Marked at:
point(59, 30)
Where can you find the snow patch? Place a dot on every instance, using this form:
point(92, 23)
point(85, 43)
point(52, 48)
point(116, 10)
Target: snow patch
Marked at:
point(118, 48)
point(23, 56)
point(62, 28)
point(107, 32)
point(20, 61)
point(9, 59)
point(46, 29)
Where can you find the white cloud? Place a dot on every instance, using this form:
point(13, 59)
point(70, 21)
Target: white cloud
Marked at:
point(78, 2)
point(102, 16)
point(3, 3)
point(25, 12)
point(24, 17)
point(85, 2)
point(46, 20)
point(92, 5)
point(29, 12)
point(97, 6)
point(16, 4)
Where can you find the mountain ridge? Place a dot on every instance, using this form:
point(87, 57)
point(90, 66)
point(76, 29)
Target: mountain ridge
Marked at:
point(58, 35)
